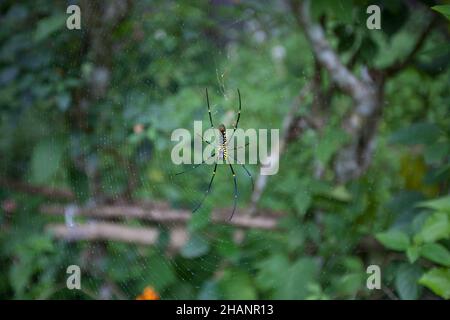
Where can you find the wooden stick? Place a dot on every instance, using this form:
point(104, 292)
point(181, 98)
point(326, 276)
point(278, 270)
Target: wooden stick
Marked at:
point(116, 232)
point(163, 213)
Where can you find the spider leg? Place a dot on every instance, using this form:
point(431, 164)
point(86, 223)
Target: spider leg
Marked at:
point(203, 139)
point(209, 109)
point(208, 190)
point(196, 166)
point(235, 191)
point(235, 148)
point(239, 112)
point(238, 117)
point(246, 170)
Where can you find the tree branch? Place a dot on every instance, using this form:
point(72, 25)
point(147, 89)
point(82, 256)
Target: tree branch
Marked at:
point(154, 211)
point(399, 65)
point(288, 123)
point(325, 55)
point(361, 123)
point(61, 194)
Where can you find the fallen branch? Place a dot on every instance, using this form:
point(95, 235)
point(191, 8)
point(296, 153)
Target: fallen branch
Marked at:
point(115, 232)
point(155, 211)
point(61, 194)
point(163, 213)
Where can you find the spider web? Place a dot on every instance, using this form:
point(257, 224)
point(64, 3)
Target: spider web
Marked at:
point(196, 268)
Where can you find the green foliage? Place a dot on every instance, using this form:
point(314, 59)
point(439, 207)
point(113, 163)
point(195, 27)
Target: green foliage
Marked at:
point(440, 204)
point(195, 247)
point(236, 284)
point(437, 280)
point(47, 26)
point(297, 279)
point(159, 272)
point(434, 228)
point(394, 239)
point(424, 237)
point(443, 9)
point(406, 282)
point(418, 133)
point(436, 252)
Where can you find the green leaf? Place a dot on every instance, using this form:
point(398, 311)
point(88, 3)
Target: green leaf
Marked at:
point(340, 193)
point(41, 243)
point(338, 10)
point(46, 159)
point(393, 239)
point(302, 201)
point(196, 247)
point(417, 133)
point(440, 204)
point(350, 283)
point(229, 250)
point(443, 9)
point(350, 280)
point(297, 278)
point(413, 253)
point(437, 50)
point(332, 140)
point(269, 275)
point(406, 281)
point(435, 152)
point(20, 273)
point(159, 272)
point(436, 227)
point(237, 285)
point(438, 281)
point(49, 25)
point(437, 253)
point(296, 237)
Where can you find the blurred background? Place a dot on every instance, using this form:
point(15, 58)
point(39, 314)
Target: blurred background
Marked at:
point(86, 117)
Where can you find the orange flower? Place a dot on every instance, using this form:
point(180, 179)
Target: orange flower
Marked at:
point(149, 293)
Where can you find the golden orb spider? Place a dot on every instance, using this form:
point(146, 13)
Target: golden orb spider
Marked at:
point(222, 155)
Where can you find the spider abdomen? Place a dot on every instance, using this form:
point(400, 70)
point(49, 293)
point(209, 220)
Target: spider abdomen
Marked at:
point(223, 147)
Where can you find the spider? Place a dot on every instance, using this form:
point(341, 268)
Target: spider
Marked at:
point(222, 155)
